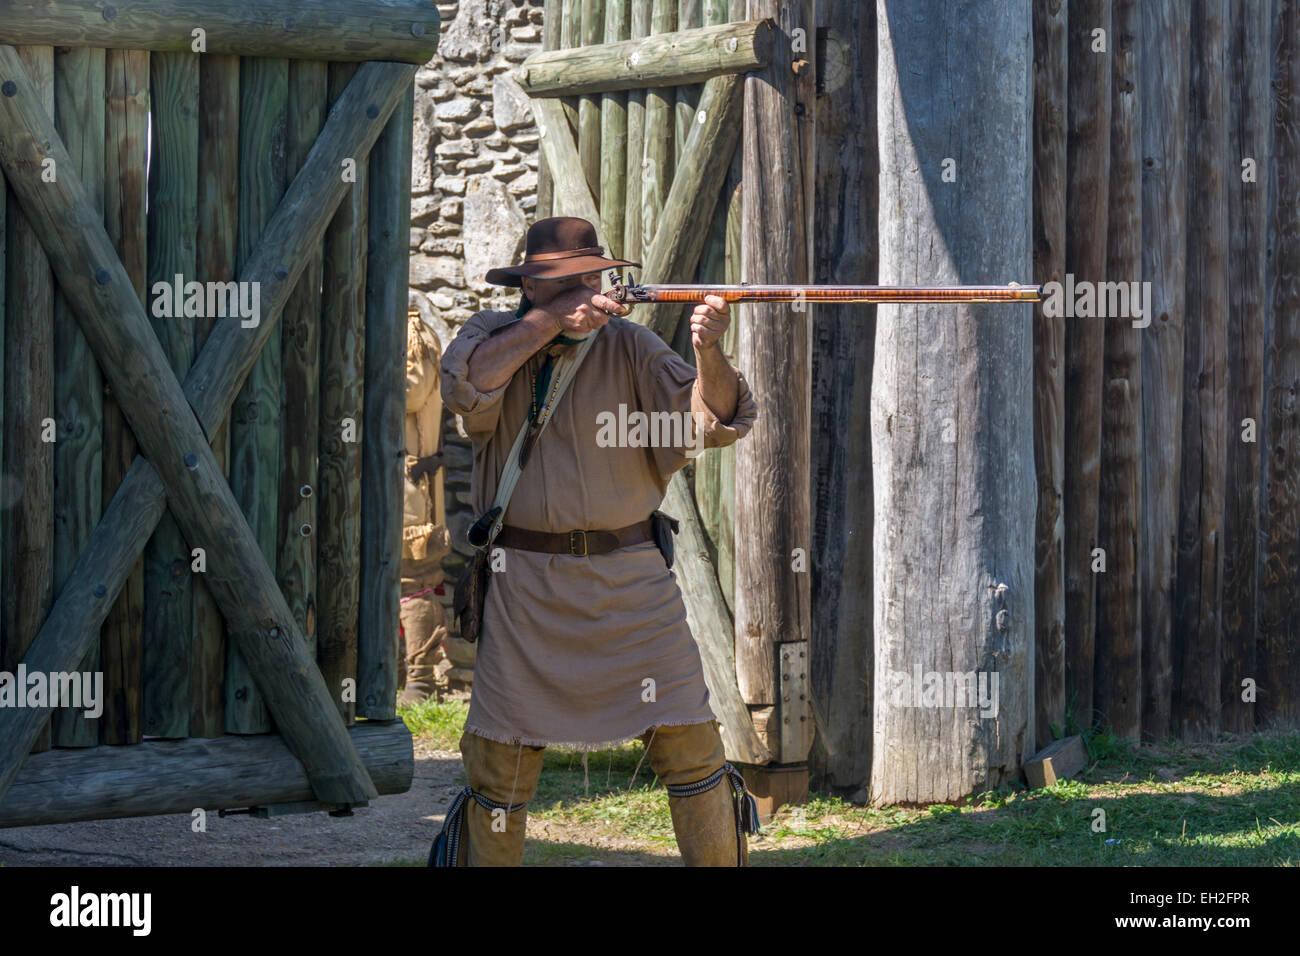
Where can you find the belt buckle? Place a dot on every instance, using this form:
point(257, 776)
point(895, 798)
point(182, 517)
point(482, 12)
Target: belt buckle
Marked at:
point(572, 551)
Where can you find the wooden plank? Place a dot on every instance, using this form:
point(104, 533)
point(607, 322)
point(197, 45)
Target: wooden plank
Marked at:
point(1199, 590)
point(613, 137)
point(125, 149)
point(589, 118)
point(1250, 59)
point(214, 262)
point(29, 406)
point(401, 30)
point(255, 426)
point(954, 494)
point(551, 13)
point(172, 239)
point(690, 16)
point(300, 357)
point(1050, 84)
point(244, 586)
point(342, 371)
point(383, 455)
point(1279, 612)
point(1059, 760)
point(226, 773)
point(1164, 67)
point(657, 169)
point(667, 58)
point(1118, 670)
point(843, 351)
point(78, 392)
point(633, 232)
point(1086, 210)
point(773, 521)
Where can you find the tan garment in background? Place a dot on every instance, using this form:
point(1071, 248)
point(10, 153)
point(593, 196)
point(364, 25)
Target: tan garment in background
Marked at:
point(569, 643)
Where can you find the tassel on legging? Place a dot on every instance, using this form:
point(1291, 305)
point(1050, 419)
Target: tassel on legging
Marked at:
point(446, 846)
point(743, 803)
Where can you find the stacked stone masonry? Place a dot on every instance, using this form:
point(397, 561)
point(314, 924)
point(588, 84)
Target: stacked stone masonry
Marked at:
point(473, 191)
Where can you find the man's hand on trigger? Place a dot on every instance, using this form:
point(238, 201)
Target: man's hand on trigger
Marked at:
point(709, 321)
point(581, 310)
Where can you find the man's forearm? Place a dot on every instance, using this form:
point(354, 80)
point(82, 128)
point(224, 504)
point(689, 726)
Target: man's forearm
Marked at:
point(719, 386)
point(496, 359)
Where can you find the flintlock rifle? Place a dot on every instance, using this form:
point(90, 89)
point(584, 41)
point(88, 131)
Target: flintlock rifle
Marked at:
point(629, 294)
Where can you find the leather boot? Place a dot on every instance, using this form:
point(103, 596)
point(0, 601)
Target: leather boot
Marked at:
point(423, 633)
point(712, 812)
point(485, 824)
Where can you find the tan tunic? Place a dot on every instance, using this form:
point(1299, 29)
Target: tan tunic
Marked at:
point(587, 651)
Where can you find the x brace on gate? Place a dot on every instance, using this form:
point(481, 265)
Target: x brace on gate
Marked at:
point(172, 421)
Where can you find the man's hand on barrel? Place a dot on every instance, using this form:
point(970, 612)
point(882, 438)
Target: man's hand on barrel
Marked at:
point(709, 321)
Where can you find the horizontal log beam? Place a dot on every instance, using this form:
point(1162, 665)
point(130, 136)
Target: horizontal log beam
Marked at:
point(353, 126)
point(405, 31)
point(665, 59)
point(176, 776)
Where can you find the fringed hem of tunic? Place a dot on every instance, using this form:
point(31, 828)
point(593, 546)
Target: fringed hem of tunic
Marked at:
point(581, 746)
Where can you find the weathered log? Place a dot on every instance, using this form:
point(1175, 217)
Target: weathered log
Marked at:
point(690, 16)
point(551, 13)
point(773, 530)
point(178, 776)
point(589, 120)
point(571, 39)
point(1164, 67)
point(210, 388)
point(29, 403)
point(401, 30)
point(1086, 210)
point(1199, 590)
point(383, 453)
point(1279, 611)
point(685, 218)
point(78, 391)
point(300, 363)
point(843, 348)
point(613, 139)
point(1117, 687)
point(1250, 56)
point(657, 169)
point(125, 138)
point(667, 58)
point(214, 262)
point(255, 426)
point(172, 243)
point(1050, 83)
point(954, 519)
point(572, 197)
point(342, 369)
point(633, 238)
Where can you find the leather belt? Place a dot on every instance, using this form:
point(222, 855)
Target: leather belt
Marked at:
point(578, 543)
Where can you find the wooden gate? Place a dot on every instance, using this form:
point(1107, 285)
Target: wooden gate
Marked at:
point(278, 185)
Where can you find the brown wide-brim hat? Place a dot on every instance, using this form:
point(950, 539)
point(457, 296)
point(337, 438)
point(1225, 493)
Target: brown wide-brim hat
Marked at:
point(557, 248)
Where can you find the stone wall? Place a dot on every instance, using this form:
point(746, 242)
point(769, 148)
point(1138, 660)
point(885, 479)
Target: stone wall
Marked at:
point(473, 188)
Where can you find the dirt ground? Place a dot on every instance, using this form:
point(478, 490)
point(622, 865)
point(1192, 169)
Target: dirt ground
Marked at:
point(400, 827)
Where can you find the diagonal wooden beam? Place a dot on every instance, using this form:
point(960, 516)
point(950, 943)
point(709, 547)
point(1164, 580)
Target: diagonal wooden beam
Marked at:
point(298, 224)
point(572, 196)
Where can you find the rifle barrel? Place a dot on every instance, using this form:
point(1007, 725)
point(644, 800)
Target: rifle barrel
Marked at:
point(632, 295)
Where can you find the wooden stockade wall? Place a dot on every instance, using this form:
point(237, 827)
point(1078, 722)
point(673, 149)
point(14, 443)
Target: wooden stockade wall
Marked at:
point(279, 157)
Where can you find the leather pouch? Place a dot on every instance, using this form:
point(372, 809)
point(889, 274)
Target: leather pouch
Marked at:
point(664, 527)
point(471, 595)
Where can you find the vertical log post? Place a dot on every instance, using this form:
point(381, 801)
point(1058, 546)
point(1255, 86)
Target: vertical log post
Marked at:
point(634, 245)
point(1164, 69)
point(613, 140)
point(78, 391)
point(954, 519)
point(773, 532)
point(1086, 209)
point(1250, 56)
point(172, 237)
point(1051, 72)
point(690, 14)
point(843, 351)
point(1117, 674)
point(383, 454)
point(589, 118)
point(1198, 596)
point(551, 13)
point(1279, 611)
point(29, 414)
point(657, 170)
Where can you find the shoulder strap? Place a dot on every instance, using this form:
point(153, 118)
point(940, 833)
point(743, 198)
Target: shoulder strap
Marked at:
point(565, 368)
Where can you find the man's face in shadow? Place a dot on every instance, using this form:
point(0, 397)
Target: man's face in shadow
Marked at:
point(542, 291)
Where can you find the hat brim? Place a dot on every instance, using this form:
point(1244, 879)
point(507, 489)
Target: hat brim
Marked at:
point(553, 269)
